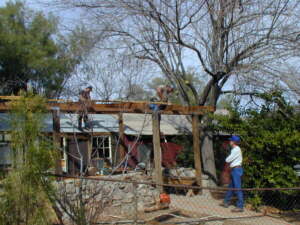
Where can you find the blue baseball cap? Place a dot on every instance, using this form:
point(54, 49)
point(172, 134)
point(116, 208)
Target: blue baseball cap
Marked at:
point(235, 138)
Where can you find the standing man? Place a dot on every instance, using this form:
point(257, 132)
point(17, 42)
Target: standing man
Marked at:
point(163, 92)
point(235, 160)
point(85, 104)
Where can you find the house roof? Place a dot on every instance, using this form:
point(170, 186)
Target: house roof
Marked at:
point(5, 122)
point(142, 124)
point(134, 124)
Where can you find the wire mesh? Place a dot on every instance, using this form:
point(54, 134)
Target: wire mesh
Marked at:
point(109, 201)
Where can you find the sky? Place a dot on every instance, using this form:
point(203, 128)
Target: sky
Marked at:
point(68, 18)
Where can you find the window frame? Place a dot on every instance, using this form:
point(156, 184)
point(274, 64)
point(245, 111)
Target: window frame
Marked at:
point(105, 147)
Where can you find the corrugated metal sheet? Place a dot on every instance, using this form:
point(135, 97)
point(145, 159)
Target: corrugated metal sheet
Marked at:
point(102, 123)
point(134, 123)
point(142, 124)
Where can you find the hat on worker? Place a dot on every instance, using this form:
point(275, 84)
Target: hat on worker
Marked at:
point(235, 138)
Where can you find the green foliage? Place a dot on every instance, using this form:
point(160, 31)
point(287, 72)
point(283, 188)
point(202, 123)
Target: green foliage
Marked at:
point(186, 156)
point(270, 143)
point(32, 50)
point(24, 199)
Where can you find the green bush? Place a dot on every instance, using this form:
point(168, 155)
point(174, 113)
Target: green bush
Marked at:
point(270, 144)
point(24, 195)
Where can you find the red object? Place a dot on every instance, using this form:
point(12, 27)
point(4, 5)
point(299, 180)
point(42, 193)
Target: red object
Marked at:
point(169, 153)
point(164, 198)
point(133, 145)
point(225, 174)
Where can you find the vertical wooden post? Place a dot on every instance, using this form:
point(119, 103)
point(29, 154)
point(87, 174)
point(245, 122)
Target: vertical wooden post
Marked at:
point(197, 149)
point(122, 138)
point(89, 148)
point(56, 137)
point(157, 149)
point(65, 155)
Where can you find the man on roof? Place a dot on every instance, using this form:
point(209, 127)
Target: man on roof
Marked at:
point(163, 92)
point(85, 104)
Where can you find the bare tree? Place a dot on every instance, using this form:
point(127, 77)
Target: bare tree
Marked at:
point(232, 41)
point(113, 75)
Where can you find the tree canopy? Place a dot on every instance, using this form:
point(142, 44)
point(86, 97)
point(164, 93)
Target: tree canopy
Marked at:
point(33, 51)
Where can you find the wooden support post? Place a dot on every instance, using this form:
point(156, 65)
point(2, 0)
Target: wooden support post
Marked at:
point(56, 138)
point(122, 152)
point(89, 148)
point(65, 156)
point(157, 149)
point(197, 149)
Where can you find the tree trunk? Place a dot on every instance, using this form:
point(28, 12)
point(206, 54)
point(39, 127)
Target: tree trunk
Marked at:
point(208, 157)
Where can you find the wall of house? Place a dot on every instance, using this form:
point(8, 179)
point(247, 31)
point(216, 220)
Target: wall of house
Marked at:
point(97, 151)
point(5, 158)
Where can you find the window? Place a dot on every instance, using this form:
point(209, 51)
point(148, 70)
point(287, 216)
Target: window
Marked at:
point(101, 147)
point(4, 138)
point(5, 159)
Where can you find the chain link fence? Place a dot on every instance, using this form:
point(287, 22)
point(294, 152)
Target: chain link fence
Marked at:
point(123, 200)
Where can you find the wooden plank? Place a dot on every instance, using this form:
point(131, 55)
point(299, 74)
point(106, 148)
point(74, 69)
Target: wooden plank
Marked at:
point(13, 98)
point(56, 137)
point(122, 152)
point(157, 150)
point(124, 107)
point(197, 149)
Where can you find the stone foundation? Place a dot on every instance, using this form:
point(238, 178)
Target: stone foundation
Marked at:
point(112, 197)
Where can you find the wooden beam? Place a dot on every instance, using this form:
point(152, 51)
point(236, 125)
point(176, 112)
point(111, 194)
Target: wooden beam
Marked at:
point(157, 149)
point(56, 137)
point(122, 152)
point(122, 107)
point(197, 149)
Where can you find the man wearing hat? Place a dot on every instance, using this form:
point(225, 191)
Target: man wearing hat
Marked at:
point(85, 104)
point(235, 160)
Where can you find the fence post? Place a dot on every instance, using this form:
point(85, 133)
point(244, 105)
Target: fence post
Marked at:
point(135, 185)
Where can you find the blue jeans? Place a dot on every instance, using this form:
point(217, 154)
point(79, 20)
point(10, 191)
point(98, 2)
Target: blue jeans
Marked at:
point(236, 182)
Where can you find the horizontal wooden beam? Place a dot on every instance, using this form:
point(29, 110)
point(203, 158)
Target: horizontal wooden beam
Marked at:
point(120, 107)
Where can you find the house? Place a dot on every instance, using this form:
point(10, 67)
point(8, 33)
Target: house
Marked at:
point(103, 137)
point(113, 124)
point(103, 141)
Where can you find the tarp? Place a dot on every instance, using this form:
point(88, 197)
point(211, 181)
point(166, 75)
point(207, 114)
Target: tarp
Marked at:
point(170, 152)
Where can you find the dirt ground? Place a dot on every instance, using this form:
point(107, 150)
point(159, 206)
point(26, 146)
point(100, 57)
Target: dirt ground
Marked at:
point(213, 214)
